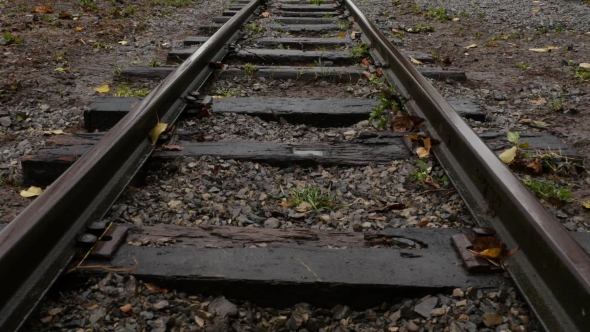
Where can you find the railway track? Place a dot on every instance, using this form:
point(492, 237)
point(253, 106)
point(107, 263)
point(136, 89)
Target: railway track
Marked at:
point(282, 258)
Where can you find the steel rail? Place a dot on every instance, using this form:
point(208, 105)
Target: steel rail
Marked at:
point(551, 269)
point(38, 244)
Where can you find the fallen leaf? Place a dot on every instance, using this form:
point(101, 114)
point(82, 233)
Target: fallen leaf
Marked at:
point(492, 253)
point(427, 144)
point(341, 35)
point(422, 152)
point(265, 14)
point(552, 48)
point(585, 65)
point(157, 131)
point(508, 156)
point(586, 204)
point(31, 192)
point(540, 50)
point(285, 204)
point(539, 101)
point(535, 167)
point(79, 28)
point(172, 147)
point(64, 15)
point(102, 89)
point(405, 123)
point(455, 19)
point(54, 311)
point(125, 308)
point(471, 46)
point(54, 132)
point(378, 72)
point(423, 223)
point(418, 62)
point(122, 42)
point(366, 74)
point(61, 69)
point(43, 9)
point(155, 288)
point(492, 44)
point(353, 35)
point(365, 62)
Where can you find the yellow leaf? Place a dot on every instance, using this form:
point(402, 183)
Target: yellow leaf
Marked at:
point(102, 89)
point(492, 253)
point(54, 132)
point(62, 69)
point(31, 192)
point(508, 156)
point(341, 35)
point(585, 65)
point(218, 97)
point(471, 46)
point(122, 42)
point(418, 62)
point(157, 131)
point(586, 204)
point(79, 28)
point(422, 152)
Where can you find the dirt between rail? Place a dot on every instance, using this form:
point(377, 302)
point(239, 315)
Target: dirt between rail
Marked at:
point(54, 53)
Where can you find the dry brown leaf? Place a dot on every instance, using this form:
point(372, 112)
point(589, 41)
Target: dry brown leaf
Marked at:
point(427, 144)
point(414, 61)
point(265, 14)
point(125, 308)
point(102, 89)
point(405, 123)
point(156, 288)
point(535, 167)
point(31, 192)
point(285, 204)
point(378, 72)
point(365, 62)
point(64, 15)
point(341, 35)
point(43, 9)
point(423, 223)
point(366, 74)
point(157, 131)
point(79, 28)
point(422, 152)
point(492, 44)
point(471, 46)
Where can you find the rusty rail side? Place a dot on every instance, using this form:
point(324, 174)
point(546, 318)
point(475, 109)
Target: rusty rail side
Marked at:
point(38, 244)
point(551, 269)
